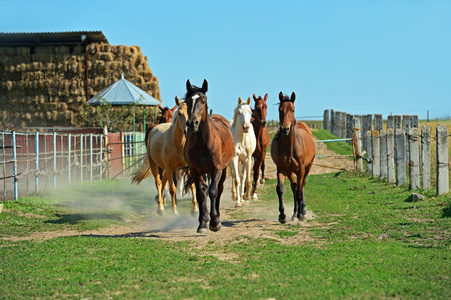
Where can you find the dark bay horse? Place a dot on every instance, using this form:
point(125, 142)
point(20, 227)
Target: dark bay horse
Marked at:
point(208, 150)
point(262, 136)
point(293, 151)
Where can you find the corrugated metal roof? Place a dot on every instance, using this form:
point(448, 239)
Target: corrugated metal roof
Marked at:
point(51, 38)
point(123, 92)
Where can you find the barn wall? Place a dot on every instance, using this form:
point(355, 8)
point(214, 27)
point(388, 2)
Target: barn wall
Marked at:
point(45, 86)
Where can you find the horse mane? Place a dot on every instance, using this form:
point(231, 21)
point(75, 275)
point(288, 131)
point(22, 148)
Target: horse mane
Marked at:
point(235, 115)
point(193, 89)
point(286, 98)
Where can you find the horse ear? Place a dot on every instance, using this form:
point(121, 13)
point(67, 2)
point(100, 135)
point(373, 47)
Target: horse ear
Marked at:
point(205, 86)
point(177, 102)
point(239, 100)
point(280, 96)
point(188, 85)
point(160, 107)
point(293, 97)
point(249, 101)
point(255, 98)
point(266, 97)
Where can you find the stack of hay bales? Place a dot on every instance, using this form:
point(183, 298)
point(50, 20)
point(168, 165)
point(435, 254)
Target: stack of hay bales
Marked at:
point(45, 86)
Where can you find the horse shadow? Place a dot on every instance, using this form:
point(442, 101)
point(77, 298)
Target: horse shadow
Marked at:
point(76, 218)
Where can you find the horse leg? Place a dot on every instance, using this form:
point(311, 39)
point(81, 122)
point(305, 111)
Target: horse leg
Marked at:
point(262, 167)
point(193, 192)
point(215, 224)
point(171, 185)
point(201, 195)
point(160, 172)
point(279, 190)
point(255, 179)
point(235, 181)
point(248, 180)
point(295, 190)
point(158, 184)
point(302, 210)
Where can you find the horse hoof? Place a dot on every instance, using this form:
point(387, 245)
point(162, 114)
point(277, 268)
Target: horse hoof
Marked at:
point(194, 212)
point(255, 197)
point(283, 221)
point(238, 204)
point(202, 230)
point(215, 228)
point(262, 181)
point(160, 212)
point(176, 213)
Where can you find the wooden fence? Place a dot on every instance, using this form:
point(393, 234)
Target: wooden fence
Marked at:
point(42, 161)
point(401, 154)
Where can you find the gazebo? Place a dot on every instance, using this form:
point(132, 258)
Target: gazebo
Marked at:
point(123, 92)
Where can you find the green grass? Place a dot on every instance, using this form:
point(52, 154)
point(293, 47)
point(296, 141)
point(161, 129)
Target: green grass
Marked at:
point(342, 148)
point(369, 240)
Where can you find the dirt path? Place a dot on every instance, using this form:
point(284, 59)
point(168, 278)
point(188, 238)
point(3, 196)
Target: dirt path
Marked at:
point(263, 222)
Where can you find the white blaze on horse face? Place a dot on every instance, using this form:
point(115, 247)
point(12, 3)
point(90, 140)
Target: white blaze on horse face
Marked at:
point(195, 97)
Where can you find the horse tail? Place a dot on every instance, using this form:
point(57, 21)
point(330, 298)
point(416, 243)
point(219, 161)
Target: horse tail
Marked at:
point(188, 180)
point(143, 172)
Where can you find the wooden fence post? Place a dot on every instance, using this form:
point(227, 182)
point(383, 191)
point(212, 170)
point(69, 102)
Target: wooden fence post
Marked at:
point(369, 154)
point(414, 121)
point(406, 127)
point(442, 160)
point(376, 147)
point(358, 144)
point(378, 122)
point(390, 122)
point(400, 144)
point(383, 151)
point(390, 156)
point(326, 121)
point(349, 127)
point(332, 121)
point(426, 157)
point(414, 158)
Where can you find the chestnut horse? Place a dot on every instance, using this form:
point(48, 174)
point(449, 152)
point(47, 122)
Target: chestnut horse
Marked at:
point(165, 153)
point(293, 151)
point(245, 142)
point(208, 151)
point(262, 136)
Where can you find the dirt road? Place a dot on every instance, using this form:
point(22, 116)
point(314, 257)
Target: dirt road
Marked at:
point(262, 223)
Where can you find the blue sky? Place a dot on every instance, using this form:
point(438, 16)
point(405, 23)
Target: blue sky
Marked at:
point(361, 57)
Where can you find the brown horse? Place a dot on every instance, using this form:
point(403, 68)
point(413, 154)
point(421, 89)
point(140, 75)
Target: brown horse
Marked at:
point(293, 151)
point(262, 136)
point(208, 150)
point(165, 153)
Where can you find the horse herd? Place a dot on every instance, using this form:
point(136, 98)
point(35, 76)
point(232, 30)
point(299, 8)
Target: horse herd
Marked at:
point(205, 145)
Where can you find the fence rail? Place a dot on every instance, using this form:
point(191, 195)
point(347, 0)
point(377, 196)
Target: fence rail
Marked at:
point(42, 161)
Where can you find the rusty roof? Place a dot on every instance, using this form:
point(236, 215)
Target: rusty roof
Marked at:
point(51, 38)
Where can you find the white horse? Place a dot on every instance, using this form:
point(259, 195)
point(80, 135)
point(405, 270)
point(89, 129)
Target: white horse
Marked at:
point(245, 143)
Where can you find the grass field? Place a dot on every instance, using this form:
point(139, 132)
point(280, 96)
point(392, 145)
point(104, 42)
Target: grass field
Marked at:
point(367, 240)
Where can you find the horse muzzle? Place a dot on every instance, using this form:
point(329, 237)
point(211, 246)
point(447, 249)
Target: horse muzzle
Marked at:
point(246, 128)
point(192, 126)
point(285, 130)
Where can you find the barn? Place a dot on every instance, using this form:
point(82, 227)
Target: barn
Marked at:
point(46, 78)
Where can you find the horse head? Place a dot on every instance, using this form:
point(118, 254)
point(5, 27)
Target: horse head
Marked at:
point(260, 109)
point(166, 114)
point(286, 113)
point(181, 115)
point(196, 101)
point(243, 114)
